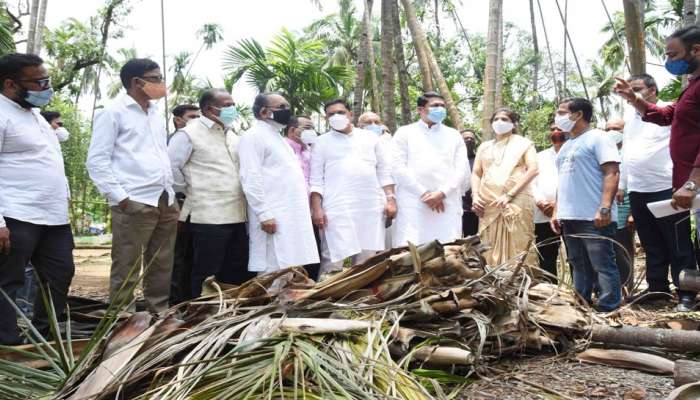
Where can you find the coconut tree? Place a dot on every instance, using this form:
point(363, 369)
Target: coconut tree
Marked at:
point(210, 34)
point(31, 31)
point(689, 12)
point(7, 43)
point(420, 44)
point(340, 31)
point(388, 67)
point(369, 37)
point(362, 63)
point(400, 64)
point(536, 49)
point(634, 32)
point(40, 25)
point(492, 49)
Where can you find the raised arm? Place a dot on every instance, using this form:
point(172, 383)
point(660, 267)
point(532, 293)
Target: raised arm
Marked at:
point(650, 112)
point(99, 159)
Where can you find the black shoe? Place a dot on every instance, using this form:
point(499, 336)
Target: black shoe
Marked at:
point(647, 296)
point(686, 304)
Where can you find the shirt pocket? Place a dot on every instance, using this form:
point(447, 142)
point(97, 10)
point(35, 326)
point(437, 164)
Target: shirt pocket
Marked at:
point(18, 142)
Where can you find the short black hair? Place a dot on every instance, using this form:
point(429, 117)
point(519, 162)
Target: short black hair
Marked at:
point(11, 65)
point(577, 104)
point(512, 115)
point(334, 102)
point(50, 115)
point(135, 68)
point(648, 80)
point(181, 109)
point(260, 102)
point(207, 97)
point(294, 122)
point(423, 99)
point(689, 35)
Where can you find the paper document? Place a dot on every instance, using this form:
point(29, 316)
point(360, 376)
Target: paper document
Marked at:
point(663, 208)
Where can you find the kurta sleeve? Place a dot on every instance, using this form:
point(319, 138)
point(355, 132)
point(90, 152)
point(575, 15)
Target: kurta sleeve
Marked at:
point(382, 153)
point(179, 151)
point(317, 182)
point(659, 115)
point(251, 154)
point(536, 189)
point(457, 180)
point(3, 126)
point(399, 168)
point(99, 158)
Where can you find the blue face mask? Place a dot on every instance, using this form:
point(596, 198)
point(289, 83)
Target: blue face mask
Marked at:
point(677, 67)
point(375, 128)
point(38, 98)
point(437, 114)
point(228, 115)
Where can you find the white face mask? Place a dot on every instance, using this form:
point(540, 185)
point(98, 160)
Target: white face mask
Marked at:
point(339, 121)
point(564, 123)
point(308, 136)
point(616, 136)
point(502, 127)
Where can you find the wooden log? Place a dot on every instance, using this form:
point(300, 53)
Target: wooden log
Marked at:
point(637, 336)
point(686, 371)
point(689, 279)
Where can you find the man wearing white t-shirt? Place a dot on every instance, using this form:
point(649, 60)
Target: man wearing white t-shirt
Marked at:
point(646, 173)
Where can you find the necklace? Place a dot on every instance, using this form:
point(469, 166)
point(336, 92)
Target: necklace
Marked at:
point(503, 153)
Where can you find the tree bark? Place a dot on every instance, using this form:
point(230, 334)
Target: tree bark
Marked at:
point(374, 95)
point(388, 83)
point(418, 34)
point(689, 17)
point(360, 73)
point(687, 341)
point(402, 71)
point(686, 371)
point(536, 50)
point(489, 102)
point(41, 22)
point(634, 32)
point(31, 30)
point(437, 23)
point(499, 64)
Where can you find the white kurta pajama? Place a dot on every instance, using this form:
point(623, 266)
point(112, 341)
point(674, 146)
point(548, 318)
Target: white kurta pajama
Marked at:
point(349, 172)
point(275, 188)
point(428, 159)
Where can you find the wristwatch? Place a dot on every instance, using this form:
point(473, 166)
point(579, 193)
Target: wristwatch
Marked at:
point(604, 211)
point(690, 185)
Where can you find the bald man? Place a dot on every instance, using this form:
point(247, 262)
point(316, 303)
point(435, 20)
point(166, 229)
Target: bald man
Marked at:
point(373, 123)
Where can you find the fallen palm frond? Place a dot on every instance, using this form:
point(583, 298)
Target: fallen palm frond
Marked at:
point(383, 329)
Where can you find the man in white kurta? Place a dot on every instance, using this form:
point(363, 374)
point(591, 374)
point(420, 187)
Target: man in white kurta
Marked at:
point(351, 190)
point(430, 167)
point(279, 219)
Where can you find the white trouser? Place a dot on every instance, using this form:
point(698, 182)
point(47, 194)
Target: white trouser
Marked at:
point(328, 266)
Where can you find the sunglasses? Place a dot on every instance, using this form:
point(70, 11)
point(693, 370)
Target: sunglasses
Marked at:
point(153, 78)
point(43, 82)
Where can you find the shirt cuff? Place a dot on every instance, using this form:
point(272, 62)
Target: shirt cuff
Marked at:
point(387, 182)
point(265, 216)
point(118, 195)
point(316, 189)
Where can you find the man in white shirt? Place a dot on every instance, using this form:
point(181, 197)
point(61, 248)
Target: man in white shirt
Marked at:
point(545, 193)
point(646, 174)
point(352, 191)
point(204, 159)
point(279, 219)
point(34, 223)
point(128, 162)
point(430, 168)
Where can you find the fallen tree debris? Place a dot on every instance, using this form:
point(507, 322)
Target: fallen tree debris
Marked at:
point(628, 359)
point(686, 371)
point(669, 339)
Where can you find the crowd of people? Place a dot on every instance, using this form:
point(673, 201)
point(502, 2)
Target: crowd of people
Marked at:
point(206, 201)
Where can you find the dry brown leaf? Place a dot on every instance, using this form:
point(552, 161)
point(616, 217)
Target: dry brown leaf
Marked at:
point(628, 359)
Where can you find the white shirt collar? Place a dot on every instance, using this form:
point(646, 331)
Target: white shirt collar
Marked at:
point(209, 123)
point(11, 103)
point(129, 101)
point(425, 126)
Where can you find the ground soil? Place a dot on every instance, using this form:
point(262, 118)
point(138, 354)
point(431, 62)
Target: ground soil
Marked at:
point(539, 377)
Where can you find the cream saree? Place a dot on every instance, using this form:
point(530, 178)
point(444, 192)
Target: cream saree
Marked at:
point(509, 230)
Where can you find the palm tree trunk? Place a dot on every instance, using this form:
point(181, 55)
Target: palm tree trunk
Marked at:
point(358, 93)
point(499, 64)
point(489, 102)
point(401, 70)
point(437, 24)
point(634, 32)
point(536, 49)
point(689, 17)
point(41, 21)
point(417, 33)
point(375, 103)
point(388, 85)
point(31, 31)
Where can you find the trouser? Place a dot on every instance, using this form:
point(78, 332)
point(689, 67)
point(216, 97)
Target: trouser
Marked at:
point(26, 295)
point(181, 284)
point(624, 256)
point(591, 260)
point(220, 250)
point(143, 236)
point(549, 251)
point(665, 241)
point(328, 266)
point(470, 224)
point(314, 269)
point(50, 250)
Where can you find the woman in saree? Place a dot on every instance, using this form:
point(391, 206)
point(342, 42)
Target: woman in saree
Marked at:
point(503, 170)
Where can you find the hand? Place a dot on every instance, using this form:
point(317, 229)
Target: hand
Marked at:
point(318, 217)
point(620, 196)
point(600, 221)
point(269, 226)
point(683, 199)
point(555, 225)
point(5, 241)
point(478, 207)
point(123, 204)
point(434, 201)
point(502, 201)
point(630, 223)
point(624, 90)
point(390, 209)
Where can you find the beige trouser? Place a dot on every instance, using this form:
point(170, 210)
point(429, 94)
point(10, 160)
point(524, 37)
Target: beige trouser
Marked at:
point(143, 230)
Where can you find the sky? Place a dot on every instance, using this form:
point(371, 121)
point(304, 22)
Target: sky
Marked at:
point(263, 19)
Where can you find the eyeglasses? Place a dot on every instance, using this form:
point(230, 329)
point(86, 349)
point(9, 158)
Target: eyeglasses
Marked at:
point(153, 78)
point(43, 82)
point(279, 107)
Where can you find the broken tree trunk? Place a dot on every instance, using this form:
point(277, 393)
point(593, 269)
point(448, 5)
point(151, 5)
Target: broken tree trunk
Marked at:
point(638, 336)
point(689, 279)
point(686, 371)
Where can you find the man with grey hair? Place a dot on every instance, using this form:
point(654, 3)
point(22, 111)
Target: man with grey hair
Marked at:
point(279, 227)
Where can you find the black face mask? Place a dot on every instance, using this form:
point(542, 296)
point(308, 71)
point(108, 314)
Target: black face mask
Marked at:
point(282, 116)
point(471, 147)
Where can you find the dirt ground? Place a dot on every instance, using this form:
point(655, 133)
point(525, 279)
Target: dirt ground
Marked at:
point(539, 377)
